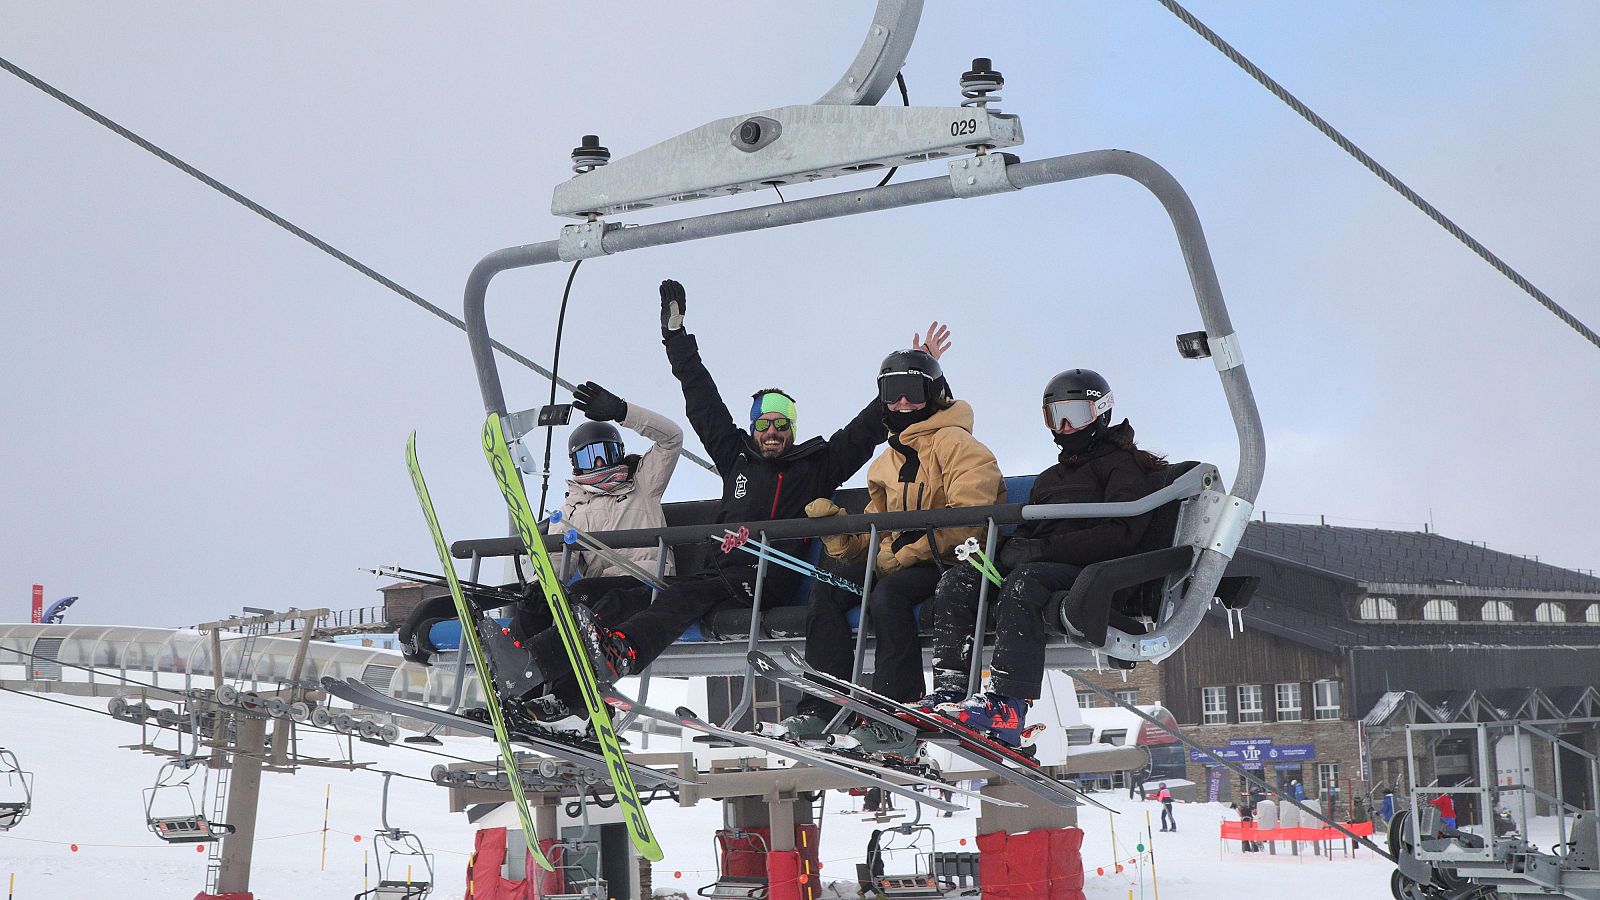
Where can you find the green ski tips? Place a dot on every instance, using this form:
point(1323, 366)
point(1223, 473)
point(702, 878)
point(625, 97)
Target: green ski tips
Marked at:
point(469, 637)
point(516, 498)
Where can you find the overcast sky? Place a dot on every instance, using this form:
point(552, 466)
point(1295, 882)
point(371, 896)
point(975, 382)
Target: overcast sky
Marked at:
point(202, 412)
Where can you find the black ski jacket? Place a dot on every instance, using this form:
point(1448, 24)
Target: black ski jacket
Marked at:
point(1106, 473)
point(754, 488)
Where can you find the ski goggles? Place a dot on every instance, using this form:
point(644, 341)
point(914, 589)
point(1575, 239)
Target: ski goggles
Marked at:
point(780, 423)
point(597, 455)
point(1071, 415)
point(913, 386)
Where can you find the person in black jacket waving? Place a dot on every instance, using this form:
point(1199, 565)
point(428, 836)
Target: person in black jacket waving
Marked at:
point(1099, 463)
point(766, 475)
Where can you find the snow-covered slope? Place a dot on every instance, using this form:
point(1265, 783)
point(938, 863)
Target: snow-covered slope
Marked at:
point(88, 793)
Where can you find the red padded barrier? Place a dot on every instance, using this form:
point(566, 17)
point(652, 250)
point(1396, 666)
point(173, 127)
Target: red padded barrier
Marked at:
point(489, 855)
point(1046, 864)
point(783, 875)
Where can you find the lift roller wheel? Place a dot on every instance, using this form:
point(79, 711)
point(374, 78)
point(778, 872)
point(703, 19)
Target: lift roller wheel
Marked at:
point(591, 777)
point(227, 695)
point(277, 708)
point(252, 702)
point(118, 707)
point(440, 775)
point(1404, 888)
point(344, 723)
point(368, 728)
point(321, 718)
point(300, 711)
point(388, 732)
point(548, 768)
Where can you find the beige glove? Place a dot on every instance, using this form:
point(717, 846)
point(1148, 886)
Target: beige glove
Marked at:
point(887, 563)
point(821, 508)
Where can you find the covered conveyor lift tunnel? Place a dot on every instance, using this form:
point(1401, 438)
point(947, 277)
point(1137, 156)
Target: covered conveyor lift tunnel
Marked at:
point(843, 133)
point(1224, 515)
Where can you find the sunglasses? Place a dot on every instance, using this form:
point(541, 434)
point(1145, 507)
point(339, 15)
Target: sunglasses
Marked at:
point(761, 425)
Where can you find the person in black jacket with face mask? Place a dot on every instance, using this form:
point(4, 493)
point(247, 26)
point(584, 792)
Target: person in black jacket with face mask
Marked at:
point(766, 475)
point(1099, 463)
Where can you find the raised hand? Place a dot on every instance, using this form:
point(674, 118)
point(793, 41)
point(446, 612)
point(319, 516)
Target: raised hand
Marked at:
point(673, 303)
point(598, 403)
point(938, 339)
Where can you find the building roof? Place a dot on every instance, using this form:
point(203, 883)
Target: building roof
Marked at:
point(1374, 555)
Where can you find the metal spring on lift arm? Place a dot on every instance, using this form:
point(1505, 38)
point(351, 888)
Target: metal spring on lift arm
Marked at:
point(589, 155)
point(978, 85)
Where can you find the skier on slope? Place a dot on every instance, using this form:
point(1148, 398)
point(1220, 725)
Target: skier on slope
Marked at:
point(610, 489)
point(932, 462)
point(1098, 463)
point(766, 475)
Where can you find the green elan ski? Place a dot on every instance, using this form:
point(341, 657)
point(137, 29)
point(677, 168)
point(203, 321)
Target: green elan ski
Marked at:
point(469, 636)
point(516, 497)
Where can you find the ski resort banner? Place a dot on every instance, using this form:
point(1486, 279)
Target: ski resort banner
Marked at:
point(1257, 751)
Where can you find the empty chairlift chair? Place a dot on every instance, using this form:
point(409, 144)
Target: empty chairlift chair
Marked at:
point(171, 811)
point(405, 867)
point(16, 791)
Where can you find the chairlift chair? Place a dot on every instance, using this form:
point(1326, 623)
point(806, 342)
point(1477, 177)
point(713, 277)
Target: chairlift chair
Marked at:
point(185, 824)
point(921, 882)
point(16, 800)
point(394, 848)
point(741, 866)
point(578, 880)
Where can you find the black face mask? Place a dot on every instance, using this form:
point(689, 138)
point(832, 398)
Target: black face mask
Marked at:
point(900, 421)
point(1078, 442)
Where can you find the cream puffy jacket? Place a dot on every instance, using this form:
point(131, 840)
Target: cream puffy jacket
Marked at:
point(951, 469)
point(636, 504)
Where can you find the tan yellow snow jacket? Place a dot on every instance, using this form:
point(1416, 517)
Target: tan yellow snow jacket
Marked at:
point(941, 466)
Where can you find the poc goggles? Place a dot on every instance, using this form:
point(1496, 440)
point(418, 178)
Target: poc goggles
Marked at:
point(1071, 415)
point(597, 456)
point(913, 386)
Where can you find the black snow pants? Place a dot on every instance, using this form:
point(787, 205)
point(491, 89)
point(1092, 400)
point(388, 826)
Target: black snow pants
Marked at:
point(611, 597)
point(1017, 667)
point(891, 610)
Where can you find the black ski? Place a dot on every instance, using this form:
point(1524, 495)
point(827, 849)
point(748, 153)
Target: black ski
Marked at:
point(548, 741)
point(862, 772)
point(953, 736)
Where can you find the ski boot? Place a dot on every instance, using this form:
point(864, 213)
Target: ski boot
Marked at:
point(996, 716)
point(878, 739)
point(798, 728)
point(941, 696)
point(610, 652)
point(516, 670)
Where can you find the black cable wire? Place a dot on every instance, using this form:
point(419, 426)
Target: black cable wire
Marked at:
point(283, 223)
point(555, 367)
point(1375, 168)
point(905, 99)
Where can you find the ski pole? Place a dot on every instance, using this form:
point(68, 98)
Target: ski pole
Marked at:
point(742, 540)
point(573, 535)
point(970, 552)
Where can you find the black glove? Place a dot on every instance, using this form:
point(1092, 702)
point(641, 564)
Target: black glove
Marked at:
point(673, 305)
point(1019, 551)
point(598, 403)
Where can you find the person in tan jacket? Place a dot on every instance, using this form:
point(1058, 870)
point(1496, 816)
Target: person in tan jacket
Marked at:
point(932, 462)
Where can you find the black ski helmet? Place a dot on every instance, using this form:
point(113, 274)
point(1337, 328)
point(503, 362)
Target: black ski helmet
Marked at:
point(1077, 390)
point(600, 443)
point(915, 375)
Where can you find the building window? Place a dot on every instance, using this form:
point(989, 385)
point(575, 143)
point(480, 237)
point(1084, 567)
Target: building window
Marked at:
point(1497, 611)
point(1592, 614)
point(1328, 781)
point(1379, 609)
point(1550, 612)
point(1288, 696)
point(1116, 737)
point(1085, 699)
point(1128, 697)
point(1440, 610)
point(1080, 736)
point(1326, 696)
point(1250, 705)
point(1214, 705)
